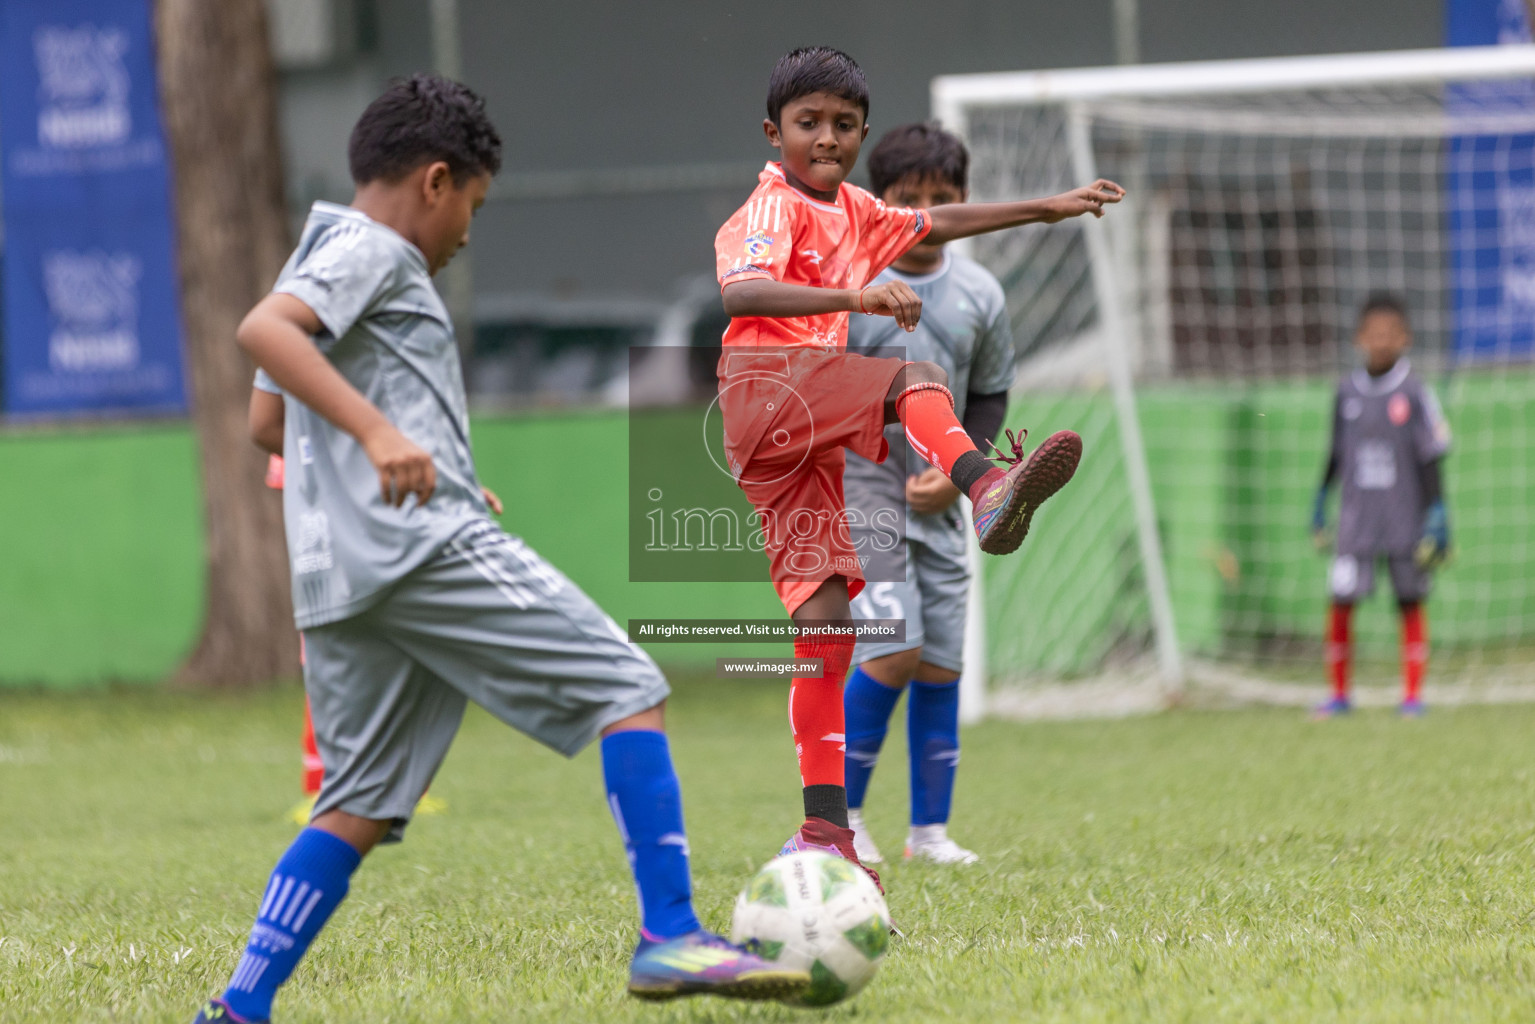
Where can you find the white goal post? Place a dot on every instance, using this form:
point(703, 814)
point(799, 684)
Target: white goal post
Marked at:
point(1380, 123)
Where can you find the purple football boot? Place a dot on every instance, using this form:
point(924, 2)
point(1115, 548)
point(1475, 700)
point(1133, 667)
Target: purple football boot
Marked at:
point(702, 963)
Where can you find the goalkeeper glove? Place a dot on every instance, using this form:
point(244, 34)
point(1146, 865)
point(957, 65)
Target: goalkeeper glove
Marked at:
point(1319, 520)
point(1434, 548)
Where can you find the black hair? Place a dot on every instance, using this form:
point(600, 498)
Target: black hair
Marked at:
point(921, 151)
point(815, 69)
point(1383, 302)
point(419, 120)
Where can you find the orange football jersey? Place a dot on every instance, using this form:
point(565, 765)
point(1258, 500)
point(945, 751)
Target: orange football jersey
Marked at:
point(781, 234)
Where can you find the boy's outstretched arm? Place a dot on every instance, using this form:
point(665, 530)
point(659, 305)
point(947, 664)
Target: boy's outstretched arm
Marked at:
point(278, 336)
point(962, 220)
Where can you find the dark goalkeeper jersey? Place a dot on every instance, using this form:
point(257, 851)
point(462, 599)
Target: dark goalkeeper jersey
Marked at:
point(1385, 430)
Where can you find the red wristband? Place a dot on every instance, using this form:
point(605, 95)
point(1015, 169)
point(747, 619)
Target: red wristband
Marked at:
point(865, 312)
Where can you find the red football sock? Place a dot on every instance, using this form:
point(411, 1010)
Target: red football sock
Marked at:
point(815, 709)
point(1414, 650)
point(1338, 649)
point(314, 768)
point(927, 412)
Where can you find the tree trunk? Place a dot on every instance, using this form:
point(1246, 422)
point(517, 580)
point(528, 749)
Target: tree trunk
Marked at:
point(218, 92)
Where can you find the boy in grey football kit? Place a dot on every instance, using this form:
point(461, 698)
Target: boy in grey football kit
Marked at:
point(393, 602)
point(1389, 437)
point(924, 575)
point(412, 601)
point(908, 525)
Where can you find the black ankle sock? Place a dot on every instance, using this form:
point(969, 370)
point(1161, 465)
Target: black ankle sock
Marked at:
point(968, 468)
point(829, 802)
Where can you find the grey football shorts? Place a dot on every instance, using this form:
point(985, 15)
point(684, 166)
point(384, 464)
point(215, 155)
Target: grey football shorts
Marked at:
point(487, 620)
point(932, 601)
point(1353, 577)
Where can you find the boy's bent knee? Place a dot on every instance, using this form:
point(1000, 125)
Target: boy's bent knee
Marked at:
point(651, 719)
point(362, 834)
point(913, 375)
point(926, 373)
point(893, 670)
point(934, 675)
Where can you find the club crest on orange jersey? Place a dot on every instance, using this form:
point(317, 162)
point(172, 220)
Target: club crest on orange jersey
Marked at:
point(758, 244)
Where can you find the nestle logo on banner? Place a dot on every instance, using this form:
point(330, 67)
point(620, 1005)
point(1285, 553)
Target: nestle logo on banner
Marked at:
point(82, 87)
point(93, 298)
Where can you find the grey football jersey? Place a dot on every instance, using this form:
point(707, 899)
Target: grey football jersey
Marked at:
point(1385, 430)
point(387, 331)
point(964, 329)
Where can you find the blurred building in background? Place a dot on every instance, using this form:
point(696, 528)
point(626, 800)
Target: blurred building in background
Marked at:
point(633, 130)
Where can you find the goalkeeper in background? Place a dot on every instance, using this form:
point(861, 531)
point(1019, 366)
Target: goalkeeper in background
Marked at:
point(1388, 440)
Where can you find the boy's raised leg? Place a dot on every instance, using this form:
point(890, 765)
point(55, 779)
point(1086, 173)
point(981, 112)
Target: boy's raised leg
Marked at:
point(1003, 501)
point(675, 956)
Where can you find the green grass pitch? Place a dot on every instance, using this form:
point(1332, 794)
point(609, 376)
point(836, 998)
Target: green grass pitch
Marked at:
point(1235, 866)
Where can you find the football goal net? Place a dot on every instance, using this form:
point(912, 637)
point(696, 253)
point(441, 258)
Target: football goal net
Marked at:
point(1195, 336)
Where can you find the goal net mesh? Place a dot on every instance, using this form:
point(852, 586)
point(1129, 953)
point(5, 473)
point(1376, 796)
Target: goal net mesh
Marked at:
point(1254, 229)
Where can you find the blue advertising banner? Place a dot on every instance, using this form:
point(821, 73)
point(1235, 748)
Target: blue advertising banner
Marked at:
point(92, 311)
point(1490, 196)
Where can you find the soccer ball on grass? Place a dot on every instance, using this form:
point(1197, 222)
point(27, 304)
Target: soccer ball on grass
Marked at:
point(818, 913)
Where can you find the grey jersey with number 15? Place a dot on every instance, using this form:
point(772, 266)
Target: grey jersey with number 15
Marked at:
point(387, 331)
point(964, 329)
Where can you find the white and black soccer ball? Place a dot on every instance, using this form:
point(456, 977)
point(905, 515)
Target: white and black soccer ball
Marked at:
point(819, 913)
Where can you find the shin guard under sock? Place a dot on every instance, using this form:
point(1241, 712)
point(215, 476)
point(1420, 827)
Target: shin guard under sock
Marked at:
point(932, 736)
point(867, 704)
point(307, 885)
point(646, 801)
point(816, 718)
point(935, 433)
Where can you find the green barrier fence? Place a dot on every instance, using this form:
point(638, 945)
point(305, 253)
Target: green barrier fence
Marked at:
point(101, 554)
point(1234, 469)
point(101, 541)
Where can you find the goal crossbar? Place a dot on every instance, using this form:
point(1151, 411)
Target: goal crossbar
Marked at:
point(952, 93)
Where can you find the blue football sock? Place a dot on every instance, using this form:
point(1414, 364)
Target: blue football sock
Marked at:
point(307, 885)
point(646, 800)
point(932, 735)
point(866, 704)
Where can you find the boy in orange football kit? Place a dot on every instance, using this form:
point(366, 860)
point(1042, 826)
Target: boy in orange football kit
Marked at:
point(792, 264)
